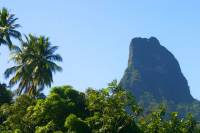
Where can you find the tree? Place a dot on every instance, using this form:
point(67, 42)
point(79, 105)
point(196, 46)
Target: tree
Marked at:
point(5, 95)
point(159, 122)
point(35, 65)
point(76, 125)
point(61, 102)
point(8, 28)
point(14, 115)
point(5, 98)
point(49, 128)
point(109, 109)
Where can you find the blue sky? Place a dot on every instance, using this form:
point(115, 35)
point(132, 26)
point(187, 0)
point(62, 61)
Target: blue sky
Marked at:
point(94, 35)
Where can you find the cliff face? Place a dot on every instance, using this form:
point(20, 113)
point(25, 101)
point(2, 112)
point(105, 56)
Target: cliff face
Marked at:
point(153, 69)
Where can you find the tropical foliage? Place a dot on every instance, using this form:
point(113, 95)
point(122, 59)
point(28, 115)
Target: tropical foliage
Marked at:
point(109, 110)
point(150, 103)
point(5, 94)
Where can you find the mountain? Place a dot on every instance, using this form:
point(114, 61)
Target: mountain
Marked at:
point(153, 69)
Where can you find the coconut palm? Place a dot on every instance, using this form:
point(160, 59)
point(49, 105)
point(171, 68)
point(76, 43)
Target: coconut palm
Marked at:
point(35, 65)
point(8, 28)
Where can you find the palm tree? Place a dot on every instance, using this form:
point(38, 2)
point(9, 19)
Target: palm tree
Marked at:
point(35, 61)
point(8, 28)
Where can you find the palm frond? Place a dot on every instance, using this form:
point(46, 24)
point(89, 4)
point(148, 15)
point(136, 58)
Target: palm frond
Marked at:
point(15, 34)
point(10, 71)
point(55, 57)
point(54, 67)
point(51, 50)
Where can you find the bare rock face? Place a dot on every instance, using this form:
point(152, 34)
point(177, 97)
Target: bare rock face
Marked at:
point(153, 69)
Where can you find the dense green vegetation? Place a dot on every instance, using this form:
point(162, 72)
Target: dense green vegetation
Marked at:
point(149, 103)
point(109, 110)
point(64, 109)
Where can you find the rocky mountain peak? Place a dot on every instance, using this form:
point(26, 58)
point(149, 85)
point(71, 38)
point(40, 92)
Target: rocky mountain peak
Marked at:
point(154, 69)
